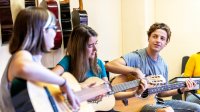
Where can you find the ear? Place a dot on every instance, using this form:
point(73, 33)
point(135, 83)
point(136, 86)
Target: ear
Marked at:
point(44, 30)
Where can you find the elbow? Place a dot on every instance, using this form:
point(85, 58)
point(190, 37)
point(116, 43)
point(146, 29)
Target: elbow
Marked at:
point(107, 66)
point(22, 69)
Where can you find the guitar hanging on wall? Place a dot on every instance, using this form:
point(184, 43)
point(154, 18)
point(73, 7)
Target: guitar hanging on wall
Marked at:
point(5, 20)
point(30, 3)
point(52, 5)
point(65, 20)
point(79, 16)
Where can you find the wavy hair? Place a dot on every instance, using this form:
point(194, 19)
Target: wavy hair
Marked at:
point(77, 50)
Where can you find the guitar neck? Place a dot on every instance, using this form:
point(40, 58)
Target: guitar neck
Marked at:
point(88, 93)
point(80, 5)
point(125, 86)
point(160, 89)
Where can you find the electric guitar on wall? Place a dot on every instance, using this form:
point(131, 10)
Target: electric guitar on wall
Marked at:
point(52, 5)
point(79, 16)
point(135, 104)
point(5, 20)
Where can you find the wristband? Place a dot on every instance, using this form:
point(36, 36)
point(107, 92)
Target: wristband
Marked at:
point(179, 91)
point(63, 83)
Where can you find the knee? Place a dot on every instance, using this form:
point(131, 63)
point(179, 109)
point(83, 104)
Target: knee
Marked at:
point(166, 109)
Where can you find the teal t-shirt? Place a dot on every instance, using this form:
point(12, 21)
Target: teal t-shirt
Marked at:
point(65, 63)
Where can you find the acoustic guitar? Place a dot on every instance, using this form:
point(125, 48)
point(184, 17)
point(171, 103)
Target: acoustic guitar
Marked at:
point(108, 102)
point(53, 6)
point(5, 20)
point(79, 16)
point(49, 98)
point(135, 104)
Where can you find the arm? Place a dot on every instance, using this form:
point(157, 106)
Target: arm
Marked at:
point(142, 87)
point(119, 66)
point(23, 66)
point(59, 70)
point(190, 84)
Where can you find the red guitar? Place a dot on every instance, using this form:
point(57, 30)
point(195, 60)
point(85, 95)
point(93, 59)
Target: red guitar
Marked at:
point(52, 5)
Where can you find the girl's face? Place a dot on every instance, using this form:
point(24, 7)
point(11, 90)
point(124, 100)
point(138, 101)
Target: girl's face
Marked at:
point(49, 35)
point(91, 47)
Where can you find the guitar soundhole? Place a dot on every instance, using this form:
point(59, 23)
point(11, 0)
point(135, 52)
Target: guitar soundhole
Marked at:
point(144, 94)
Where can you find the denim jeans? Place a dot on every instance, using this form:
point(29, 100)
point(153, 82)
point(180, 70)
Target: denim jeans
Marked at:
point(177, 105)
point(192, 98)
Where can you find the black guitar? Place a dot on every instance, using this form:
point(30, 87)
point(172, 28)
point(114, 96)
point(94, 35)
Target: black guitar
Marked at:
point(30, 3)
point(5, 20)
point(79, 16)
point(65, 21)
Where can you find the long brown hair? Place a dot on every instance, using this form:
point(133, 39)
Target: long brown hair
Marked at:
point(28, 30)
point(77, 50)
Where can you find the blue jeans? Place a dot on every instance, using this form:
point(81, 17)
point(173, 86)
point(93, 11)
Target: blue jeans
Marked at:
point(192, 98)
point(177, 105)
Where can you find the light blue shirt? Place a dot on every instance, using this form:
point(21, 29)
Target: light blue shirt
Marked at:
point(148, 66)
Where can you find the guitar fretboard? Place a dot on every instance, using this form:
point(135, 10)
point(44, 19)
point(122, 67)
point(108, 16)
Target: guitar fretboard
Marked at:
point(125, 86)
point(168, 87)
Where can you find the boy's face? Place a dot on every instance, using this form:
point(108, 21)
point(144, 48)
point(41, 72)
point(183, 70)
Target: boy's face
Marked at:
point(158, 40)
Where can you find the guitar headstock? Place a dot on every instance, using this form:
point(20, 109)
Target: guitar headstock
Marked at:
point(156, 80)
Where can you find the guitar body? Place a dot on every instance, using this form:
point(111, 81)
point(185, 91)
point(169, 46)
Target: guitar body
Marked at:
point(79, 16)
point(40, 100)
point(107, 102)
point(135, 104)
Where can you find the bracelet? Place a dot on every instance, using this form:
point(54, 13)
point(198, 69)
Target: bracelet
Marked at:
point(63, 83)
point(179, 91)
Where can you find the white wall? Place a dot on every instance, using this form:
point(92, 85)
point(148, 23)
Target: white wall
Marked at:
point(137, 15)
point(105, 17)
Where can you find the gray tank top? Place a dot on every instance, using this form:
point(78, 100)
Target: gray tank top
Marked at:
point(5, 97)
